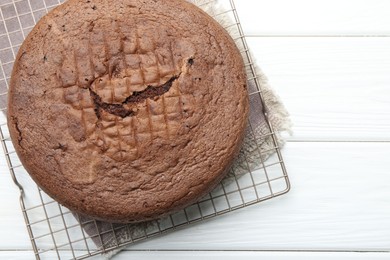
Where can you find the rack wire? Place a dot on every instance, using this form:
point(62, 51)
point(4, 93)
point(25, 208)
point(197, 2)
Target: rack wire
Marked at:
point(56, 232)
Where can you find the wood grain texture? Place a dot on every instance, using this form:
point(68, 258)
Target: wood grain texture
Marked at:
point(336, 89)
point(215, 255)
point(307, 17)
point(233, 255)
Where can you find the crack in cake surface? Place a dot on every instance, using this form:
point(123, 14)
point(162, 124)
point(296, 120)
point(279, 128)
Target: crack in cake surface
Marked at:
point(136, 97)
point(16, 123)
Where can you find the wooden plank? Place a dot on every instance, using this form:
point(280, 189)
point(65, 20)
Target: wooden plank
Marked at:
point(233, 255)
point(339, 201)
point(13, 232)
point(341, 17)
point(336, 89)
point(217, 255)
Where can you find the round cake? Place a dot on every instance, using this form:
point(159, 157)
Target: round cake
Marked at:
point(130, 111)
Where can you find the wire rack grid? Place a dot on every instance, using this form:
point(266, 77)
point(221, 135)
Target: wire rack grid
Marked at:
point(57, 232)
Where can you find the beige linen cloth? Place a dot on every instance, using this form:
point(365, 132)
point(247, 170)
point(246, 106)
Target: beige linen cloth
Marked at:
point(249, 158)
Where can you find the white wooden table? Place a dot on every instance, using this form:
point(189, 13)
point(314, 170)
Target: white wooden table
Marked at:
point(330, 63)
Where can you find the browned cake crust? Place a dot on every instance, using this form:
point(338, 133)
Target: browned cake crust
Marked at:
point(127, 111)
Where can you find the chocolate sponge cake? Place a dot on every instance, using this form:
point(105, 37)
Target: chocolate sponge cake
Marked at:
point(129, 111)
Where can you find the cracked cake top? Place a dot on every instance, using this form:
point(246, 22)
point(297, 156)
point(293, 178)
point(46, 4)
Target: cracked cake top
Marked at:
point(129, 111)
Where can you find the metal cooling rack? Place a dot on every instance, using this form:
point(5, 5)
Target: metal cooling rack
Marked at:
point(56, 232)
